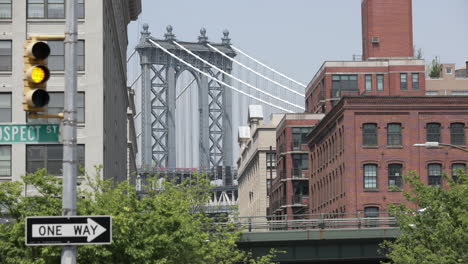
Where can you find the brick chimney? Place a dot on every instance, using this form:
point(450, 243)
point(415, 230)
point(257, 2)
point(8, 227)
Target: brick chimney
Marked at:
point(387, 29)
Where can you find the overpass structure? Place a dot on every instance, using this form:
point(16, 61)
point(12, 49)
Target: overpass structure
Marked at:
point(314, 239)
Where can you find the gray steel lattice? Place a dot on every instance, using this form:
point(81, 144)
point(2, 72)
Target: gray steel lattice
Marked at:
point(159, 76)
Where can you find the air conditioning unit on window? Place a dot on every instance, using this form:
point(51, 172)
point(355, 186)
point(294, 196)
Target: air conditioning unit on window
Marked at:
point(375, 40)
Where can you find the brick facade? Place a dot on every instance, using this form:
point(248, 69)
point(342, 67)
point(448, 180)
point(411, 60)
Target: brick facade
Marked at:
point(339, 155)
point(290, 190)
point(387, 29)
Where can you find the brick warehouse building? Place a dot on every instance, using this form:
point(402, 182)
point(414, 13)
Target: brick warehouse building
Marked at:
point(289, 191)
point(376, 110)
point(364, 145)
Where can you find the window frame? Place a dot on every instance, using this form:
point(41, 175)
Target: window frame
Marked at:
point(455, 170)
point(3, 176)
point(434, 179)
point(10, 10)
point(370, 177)
point(403, 81)
point(415, 81)
point(430, 135)
point(9, 67)
point(457, 138)
point(398, 179)
point(272, 164)
point(394, 135)
point(46, 159)
point(368, 82)
point(11, 110)
point(380, 82)
point(368, 136)
point(81, 56)
point(80, 6)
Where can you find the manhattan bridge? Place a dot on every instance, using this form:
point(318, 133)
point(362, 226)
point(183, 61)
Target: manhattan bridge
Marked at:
point(192, 97)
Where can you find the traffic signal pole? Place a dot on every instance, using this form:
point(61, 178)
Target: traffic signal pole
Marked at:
point(69, 134)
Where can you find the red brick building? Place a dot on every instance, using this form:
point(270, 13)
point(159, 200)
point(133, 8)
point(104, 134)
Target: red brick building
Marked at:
point(289, 191)
point(364, 145)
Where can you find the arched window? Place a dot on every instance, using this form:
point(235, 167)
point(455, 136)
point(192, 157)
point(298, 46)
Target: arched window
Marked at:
point(369, 134)
point(394, 134)
point(457, 134)
point(370, 176)
point(394, 175)
point(433, 132)
point(456, 167)
point(434, 174)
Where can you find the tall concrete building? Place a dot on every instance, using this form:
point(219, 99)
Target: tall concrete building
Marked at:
point(102, 86)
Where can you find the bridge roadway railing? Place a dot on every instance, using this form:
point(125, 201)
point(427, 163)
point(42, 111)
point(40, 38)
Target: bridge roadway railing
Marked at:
point(312, 221)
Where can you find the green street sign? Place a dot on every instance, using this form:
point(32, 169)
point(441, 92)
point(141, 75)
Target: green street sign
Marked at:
point(33, 133)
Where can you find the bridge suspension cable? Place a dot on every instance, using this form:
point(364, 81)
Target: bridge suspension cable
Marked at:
point(251, 70)
point(219, 81)
point(266, 66)
point(237, 79)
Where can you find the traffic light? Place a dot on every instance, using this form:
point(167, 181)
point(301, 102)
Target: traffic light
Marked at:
point(36, 74)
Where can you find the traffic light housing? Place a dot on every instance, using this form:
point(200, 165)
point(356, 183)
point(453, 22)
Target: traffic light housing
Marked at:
point(36, 74)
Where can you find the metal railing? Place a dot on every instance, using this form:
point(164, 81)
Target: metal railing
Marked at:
point(312, 221)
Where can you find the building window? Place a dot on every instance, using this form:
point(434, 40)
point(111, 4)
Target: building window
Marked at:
point(370, 176)
point(56, 106)
point(5, 55)
point(300, 162)
point(369, 135)
point(434, 174)
point(5, 9)
point(403, 81)
point(380, 82)
point(368, 82)
point(299, 136)
point(433, 93)
point(457, 134)
point(394, 134)
point(456, 169)
point(271, 160)
point(415, 78)
point(448, 70)
point(54, 9)
point(460, 93)
point(57, 55)
point(433, 132)
point(5, 161)
point(342, 83)
point(394, 175)
point(5, 107)
point(371, 212)
point(49, 157)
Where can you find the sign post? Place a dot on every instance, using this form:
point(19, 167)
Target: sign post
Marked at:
point(67, 231)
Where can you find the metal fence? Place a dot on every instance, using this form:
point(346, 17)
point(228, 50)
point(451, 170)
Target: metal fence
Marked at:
point(312, 221)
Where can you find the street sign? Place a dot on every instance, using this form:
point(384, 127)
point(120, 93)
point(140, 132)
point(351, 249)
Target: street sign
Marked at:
point(31, 133)
point(73, 230)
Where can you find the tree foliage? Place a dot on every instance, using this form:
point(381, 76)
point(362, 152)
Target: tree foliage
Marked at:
point(167, 225)
point(435, 68)
point(436, 232)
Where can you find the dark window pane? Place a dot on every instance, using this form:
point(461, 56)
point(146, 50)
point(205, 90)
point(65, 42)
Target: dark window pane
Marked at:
point(370, 134)
point(55, 10)
point(394, 134)
point(5, 9)
point(458, 168)
point(5, 55)
point(36, 9)
point(415, 78)
point(434, 174)
point(49, 157)
point(5, 161)
point(433, 132)
point(368, 82)
point(80, 9)
point(5, 107)
point(395, 175)
point(403, 81)
point(457, 134)
point(371, 212)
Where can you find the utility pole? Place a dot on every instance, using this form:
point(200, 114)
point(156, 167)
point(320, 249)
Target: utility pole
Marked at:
point(70, 168)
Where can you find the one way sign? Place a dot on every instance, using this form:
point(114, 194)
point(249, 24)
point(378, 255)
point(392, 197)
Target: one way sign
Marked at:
point(73, 230)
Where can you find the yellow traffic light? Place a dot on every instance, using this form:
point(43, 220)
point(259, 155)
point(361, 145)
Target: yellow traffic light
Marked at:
point(36, 74)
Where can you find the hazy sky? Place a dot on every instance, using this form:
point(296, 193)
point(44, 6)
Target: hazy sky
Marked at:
point(296, 36)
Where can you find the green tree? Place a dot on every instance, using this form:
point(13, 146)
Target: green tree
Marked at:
point(437, 232)
point(166, 225)
point(435, 68)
